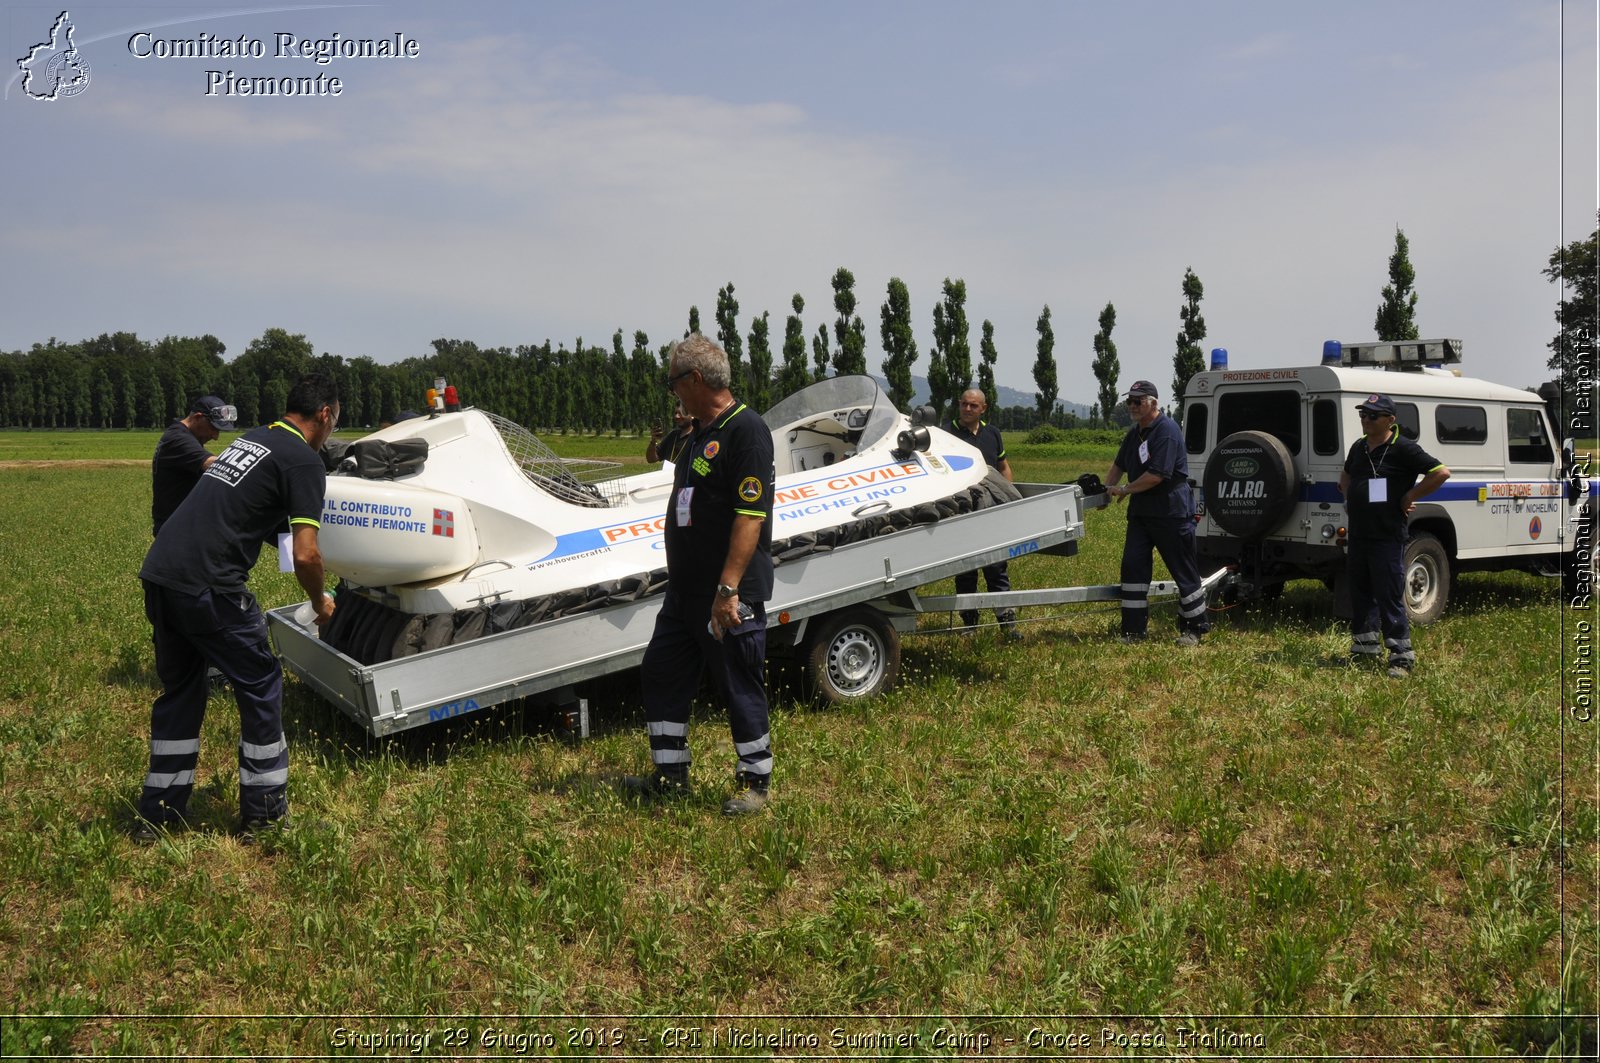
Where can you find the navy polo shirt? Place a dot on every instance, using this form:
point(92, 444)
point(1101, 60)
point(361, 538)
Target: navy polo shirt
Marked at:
point(987, 439)
point(1398, 461)
point(1159, 449)
point(179, 460)
point(727, 471)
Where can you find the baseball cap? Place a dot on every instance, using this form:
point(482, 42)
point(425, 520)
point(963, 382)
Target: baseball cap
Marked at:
point(220, 414)
point(1143, 389)
point(1378, 404)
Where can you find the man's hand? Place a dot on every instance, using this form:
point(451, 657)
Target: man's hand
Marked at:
point(324, 609)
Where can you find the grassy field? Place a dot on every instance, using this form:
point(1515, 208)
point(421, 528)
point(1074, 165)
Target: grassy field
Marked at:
point(1063, 847)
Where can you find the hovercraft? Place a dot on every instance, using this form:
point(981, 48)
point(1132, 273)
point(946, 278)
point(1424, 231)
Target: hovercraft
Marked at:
point(463, 523)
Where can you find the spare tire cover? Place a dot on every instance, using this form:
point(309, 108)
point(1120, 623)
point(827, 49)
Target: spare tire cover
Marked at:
point(1250, 484)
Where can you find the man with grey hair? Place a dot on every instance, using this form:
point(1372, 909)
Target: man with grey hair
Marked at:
point(718, 538)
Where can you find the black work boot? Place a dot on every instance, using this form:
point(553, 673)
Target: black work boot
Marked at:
point(751, 795)
point(660, 783)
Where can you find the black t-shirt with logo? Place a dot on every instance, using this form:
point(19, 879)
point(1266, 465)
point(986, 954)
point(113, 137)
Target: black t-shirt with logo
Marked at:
point(1159, 449)
point(263, 483)
point(1397, 462)
point(179, 460)
point(727, 471)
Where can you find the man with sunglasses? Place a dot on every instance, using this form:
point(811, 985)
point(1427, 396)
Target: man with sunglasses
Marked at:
point(1380, 488)
point(718, 539)
point(1160, 517)
point(181, 455)
point(266, 486)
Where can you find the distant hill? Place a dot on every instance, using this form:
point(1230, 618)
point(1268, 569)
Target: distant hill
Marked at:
point(1007, 396)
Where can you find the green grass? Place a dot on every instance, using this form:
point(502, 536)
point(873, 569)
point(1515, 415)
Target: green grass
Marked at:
point(1063, 826)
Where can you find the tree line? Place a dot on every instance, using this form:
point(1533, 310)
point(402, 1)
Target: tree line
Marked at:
point(119, 381)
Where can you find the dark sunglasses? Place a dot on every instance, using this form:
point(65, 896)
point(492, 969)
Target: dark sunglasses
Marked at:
point(1368, 415)
point(671, 380)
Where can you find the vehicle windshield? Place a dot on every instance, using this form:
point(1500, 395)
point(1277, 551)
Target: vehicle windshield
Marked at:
point(856, 403)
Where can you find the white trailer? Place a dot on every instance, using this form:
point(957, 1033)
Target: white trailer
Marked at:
point(840, 612)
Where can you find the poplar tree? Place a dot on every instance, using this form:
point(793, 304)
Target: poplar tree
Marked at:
point(819, 353)
point(728, 336)
point(759, 394)
point(988, 356)
point(950, 341)
point(1188, 360)
point(694, 321)
point(796, 372)
point(1106, 367)
point(1397, 314)
point(899, 343)
point(850, 359)
point(1044, 368)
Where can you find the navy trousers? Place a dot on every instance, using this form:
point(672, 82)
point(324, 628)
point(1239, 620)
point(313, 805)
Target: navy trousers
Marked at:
point(1377, 571)
point(1174, 538)
point(227, 632)
point(995, 578)
point(681, 650)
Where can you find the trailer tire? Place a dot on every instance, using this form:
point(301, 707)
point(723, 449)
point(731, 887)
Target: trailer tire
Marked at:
point(1427, 578)
point(852, 655)
point(1249, 484)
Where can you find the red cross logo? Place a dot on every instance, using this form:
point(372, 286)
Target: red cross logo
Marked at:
point(444, 523)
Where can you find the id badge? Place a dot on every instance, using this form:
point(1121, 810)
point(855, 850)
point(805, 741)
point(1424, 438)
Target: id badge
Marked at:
point(1144, 453)
point(1377, 491)
point(285, 552)
point(685, 497)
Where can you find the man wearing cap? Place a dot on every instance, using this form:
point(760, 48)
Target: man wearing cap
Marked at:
point(181, 455)
point(970, 427)
point(1160, 516)
point(1380, 488)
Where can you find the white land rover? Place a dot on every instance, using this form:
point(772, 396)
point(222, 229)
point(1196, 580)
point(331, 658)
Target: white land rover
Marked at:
point(1272, 443)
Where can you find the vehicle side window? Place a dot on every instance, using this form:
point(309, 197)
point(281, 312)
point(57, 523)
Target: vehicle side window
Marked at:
point(1406, 417)
point(1527, 441)
point(1461, 424)
point(1276, 413)
point(1194, 427)
point(1325, 427)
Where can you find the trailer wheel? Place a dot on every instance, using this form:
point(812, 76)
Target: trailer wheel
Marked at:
point(1427, 586)
point(852, 654)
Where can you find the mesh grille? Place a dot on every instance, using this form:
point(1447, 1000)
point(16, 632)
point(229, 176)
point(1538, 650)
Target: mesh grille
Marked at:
point(580, 481)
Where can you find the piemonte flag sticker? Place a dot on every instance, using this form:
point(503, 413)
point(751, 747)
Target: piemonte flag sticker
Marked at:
point(444, 523)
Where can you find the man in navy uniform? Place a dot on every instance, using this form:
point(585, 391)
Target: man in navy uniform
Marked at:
point(1160, 515)
point(970, 427)
point(181, 456)
point(719, 567)
point(268, 482)
point(1380, 488)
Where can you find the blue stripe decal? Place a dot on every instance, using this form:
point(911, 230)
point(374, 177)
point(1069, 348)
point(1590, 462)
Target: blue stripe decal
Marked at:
point(1450, 491)
point(576, 543)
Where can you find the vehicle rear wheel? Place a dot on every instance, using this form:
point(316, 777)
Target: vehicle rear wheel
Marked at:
point(852, 654)
point(1427, 578)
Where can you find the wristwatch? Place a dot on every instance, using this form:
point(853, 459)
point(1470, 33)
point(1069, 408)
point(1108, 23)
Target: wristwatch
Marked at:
point(725, 591)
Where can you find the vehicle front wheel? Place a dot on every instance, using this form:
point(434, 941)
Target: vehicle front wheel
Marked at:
point(1427, 579)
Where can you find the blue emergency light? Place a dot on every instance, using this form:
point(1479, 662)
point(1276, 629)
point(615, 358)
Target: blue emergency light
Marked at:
point(1219, 358)
point(1332, 352)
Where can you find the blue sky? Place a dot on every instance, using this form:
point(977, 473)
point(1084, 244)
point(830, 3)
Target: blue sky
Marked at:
point(552, 170)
